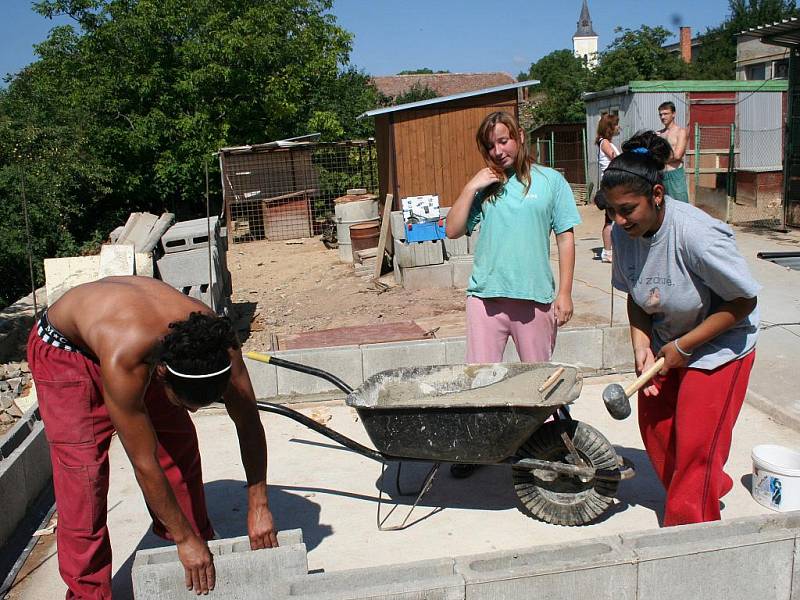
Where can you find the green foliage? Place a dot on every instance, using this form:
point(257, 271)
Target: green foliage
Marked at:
point(416, 93)
point(716, 57)
point(637, 54)
point(563, 78)
point(123, 110)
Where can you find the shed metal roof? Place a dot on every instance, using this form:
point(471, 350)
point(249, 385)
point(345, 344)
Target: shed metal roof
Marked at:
point(692, 85)
point(432, 101)
point(781, 33)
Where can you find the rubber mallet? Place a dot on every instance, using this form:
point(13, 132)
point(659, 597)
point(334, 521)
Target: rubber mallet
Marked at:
point(616, 397)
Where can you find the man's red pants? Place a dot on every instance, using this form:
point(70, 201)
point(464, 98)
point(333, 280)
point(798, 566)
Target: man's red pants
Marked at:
point(687, 431)
point(70, 393)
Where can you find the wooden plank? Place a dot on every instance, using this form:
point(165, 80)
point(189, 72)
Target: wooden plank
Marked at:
point(385, 234)
point(348, 336)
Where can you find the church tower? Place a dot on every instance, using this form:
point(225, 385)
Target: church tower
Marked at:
point(584, 42)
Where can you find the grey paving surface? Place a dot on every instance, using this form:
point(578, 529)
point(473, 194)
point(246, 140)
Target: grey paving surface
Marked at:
point(331, 494)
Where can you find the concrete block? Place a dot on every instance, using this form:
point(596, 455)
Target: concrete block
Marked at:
point(210, 296)
point(456, 247)
point(13, 494)
point(398, 273)
point(164, 222)
point(432, 276)
point(342, 361)
point(137, 229)
point(63, 274)
point(264, 378)
point(144, 265)
point(418, 254)
point(743, 565)
point(189, 235)
point(431, 579)
point(24, 472)
point(617, 351)
point(116, 259)
point(455, 350)
point(582, 347)
point(381, 357)
point(185, 269)
point(472, 240)
point(462, 270)
point(242, 574)
point(596, 568)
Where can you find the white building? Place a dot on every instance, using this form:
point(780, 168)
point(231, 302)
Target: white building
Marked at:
point(584, 42)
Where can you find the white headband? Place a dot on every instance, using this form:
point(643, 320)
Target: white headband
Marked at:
point(205, 376)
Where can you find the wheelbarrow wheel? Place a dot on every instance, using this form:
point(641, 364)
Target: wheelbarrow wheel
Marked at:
point(564, 499)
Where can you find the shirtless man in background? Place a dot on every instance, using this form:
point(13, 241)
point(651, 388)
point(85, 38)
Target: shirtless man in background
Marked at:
point(678, 138)
point(132, 354)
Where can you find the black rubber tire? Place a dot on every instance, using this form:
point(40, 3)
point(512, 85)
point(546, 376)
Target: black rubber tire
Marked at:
point(566, 500)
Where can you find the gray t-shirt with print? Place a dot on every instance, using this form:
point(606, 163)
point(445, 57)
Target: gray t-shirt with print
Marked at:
point(682, 274)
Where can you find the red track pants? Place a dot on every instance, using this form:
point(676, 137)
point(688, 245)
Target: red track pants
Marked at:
point(687, 431)
point(77, 426)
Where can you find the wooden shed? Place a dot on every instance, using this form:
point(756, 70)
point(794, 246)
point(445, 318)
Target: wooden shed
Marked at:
point(428, 147)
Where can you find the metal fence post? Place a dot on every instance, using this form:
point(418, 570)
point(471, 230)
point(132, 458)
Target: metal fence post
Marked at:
point(731, 174)
point(585, 154)
point(696, 159)
point(552, 149)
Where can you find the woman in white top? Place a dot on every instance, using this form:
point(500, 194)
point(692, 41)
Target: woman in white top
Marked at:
point(607, 128)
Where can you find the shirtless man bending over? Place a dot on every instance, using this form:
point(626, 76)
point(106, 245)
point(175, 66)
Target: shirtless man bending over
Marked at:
point(132, 354)
point(678, 138)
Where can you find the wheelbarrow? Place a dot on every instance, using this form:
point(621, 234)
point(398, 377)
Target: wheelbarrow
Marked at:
point(564, 472)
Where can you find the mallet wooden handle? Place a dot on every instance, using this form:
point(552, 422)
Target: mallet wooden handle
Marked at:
point(552, 379)
point(644, 377)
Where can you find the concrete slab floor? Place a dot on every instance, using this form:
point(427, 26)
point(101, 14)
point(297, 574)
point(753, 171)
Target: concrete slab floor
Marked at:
point(330, 493)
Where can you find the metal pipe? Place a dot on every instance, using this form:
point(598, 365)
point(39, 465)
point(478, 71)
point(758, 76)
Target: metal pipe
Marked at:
point(293, 366)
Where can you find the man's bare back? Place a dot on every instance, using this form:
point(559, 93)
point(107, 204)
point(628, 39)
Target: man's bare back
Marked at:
point(121, 314)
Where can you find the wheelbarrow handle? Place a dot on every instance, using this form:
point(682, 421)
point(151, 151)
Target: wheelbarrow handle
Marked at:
point(288, 364)
point(329, 433)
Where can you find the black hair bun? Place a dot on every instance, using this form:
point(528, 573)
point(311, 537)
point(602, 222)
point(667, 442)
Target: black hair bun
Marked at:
point(658, 147)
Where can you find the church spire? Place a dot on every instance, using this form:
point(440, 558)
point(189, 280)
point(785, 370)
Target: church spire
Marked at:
point(585, 23)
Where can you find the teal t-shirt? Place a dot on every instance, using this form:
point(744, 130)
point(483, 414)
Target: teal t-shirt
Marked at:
point(512, 259)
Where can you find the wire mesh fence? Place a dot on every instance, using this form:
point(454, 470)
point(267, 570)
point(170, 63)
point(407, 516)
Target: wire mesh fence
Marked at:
point(737, 175)
point(286, 192)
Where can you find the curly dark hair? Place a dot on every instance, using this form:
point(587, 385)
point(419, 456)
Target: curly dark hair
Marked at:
point(197, 346)
point(640, 166)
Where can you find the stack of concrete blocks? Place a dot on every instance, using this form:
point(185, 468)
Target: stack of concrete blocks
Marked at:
point(130, 252)
point(185, 263)
point(364, 262)
point(440, 263)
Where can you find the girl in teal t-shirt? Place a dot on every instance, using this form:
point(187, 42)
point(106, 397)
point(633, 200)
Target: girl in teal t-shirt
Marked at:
point(512, 290)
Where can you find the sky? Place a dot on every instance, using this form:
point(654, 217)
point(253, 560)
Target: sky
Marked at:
point(455, 35)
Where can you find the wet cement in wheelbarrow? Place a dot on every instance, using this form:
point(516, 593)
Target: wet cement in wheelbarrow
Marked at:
point(521, 389)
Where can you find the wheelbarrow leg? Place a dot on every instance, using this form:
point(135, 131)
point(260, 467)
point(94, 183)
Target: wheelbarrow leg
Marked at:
point(423, 490)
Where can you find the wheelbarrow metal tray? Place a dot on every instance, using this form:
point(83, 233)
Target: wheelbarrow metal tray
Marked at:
point(460, 413)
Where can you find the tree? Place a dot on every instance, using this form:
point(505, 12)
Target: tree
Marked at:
point(637, 54)
point(123, 109)
point(416, 93)
point(563, 78)
point(716, 57)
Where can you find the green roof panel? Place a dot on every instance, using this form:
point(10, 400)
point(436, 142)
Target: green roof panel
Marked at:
point(711, 85)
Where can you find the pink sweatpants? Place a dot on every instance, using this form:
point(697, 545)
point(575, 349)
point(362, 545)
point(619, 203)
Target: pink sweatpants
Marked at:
point(490, 321)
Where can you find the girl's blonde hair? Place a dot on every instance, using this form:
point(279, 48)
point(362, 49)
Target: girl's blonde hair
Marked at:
point(524, 159)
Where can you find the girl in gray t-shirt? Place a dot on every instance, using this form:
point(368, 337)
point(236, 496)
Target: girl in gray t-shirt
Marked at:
point(692, 300)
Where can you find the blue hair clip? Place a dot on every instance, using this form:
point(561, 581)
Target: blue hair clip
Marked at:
point(641, 150)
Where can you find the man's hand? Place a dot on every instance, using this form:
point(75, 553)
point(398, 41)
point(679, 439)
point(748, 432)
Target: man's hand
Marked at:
point(261, 529)
point(198, 564)
point(563, 309)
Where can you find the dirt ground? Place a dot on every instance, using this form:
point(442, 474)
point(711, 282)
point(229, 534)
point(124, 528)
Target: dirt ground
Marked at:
point(299, 286)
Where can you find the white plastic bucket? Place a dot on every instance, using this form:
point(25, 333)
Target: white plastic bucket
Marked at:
point(776, 477)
